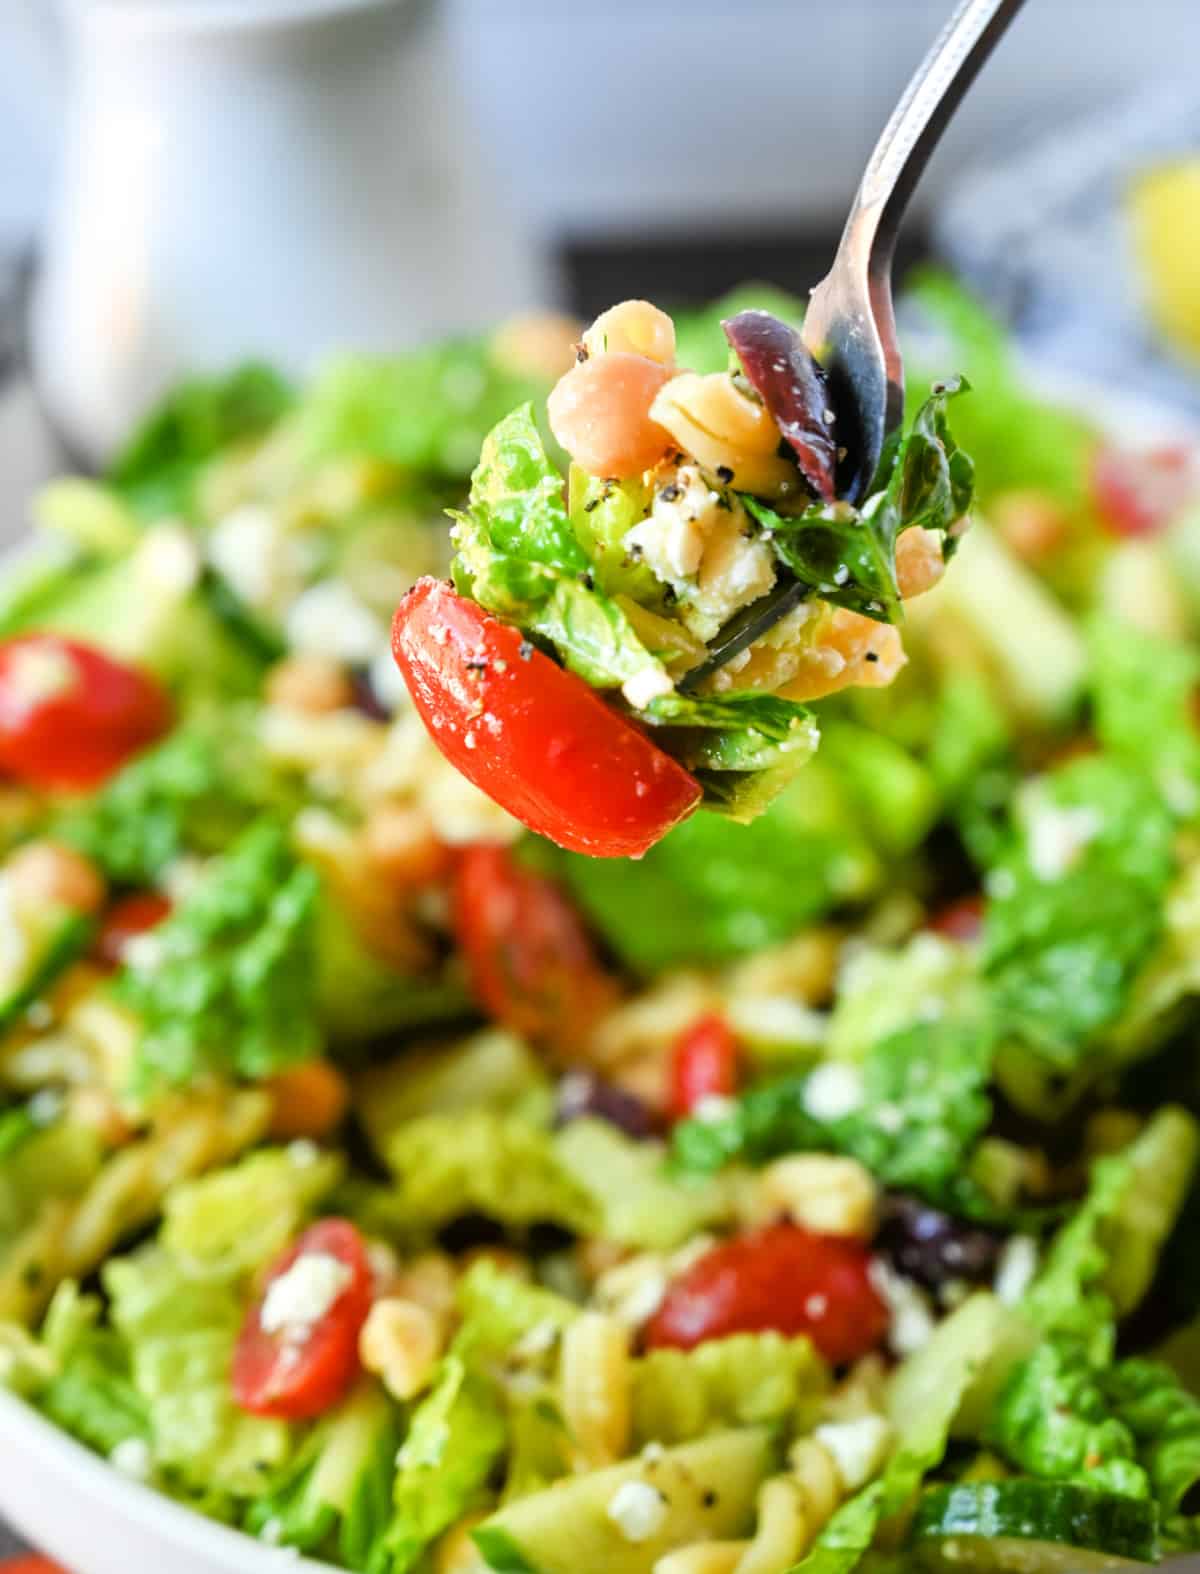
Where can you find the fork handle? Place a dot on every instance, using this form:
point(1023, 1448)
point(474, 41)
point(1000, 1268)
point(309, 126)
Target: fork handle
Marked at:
point(916, 125)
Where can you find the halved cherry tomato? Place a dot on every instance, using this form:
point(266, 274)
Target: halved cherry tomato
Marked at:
point(704, 1064)
point(295, 1373)
point(960, 920)
point(531, 735)
point(531, 962)
point(70, 715)
point(781, 1278)
point(127, 918)
point(1139, 492)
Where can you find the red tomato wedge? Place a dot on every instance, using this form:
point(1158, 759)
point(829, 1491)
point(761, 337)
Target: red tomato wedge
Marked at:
point(303, 1368)
point(704, 1064)
point(781, 1278)
point(961, 919)
point(531, 735)
point(532, 964)
point(1138, 492)
point(70, 715)
point(126, 919)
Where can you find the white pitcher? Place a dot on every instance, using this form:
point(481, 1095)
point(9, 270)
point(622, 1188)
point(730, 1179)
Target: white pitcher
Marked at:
point(269, 178)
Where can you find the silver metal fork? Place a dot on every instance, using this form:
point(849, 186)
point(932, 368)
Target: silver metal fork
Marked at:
point(850, 326)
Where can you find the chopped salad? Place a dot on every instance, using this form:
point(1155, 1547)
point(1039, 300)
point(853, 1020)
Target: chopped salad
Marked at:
point(701, 566)
point(809, 1195)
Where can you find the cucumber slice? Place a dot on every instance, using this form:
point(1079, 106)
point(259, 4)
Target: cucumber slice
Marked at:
point(1032, 1527)
point(705, 1491)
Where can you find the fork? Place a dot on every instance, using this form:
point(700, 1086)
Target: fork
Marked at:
point(850, 325)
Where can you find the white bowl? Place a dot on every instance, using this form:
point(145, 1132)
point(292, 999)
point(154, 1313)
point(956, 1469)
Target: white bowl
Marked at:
point(78, 1509)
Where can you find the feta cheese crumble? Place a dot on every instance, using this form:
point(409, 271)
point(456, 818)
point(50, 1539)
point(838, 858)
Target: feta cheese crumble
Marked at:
point(133, 1458)
point(1015, 1269)
point(911, 1317)
point(650, 683)
point(834, 1089)
point(1058, 836)
point(304, 1294)
point(638, 1510)
point(859, 1448)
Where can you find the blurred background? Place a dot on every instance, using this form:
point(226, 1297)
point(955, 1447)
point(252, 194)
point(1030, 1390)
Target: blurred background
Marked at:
point(185, 182)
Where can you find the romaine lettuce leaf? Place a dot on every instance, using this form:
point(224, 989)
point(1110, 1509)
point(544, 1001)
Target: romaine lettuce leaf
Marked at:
point(456, 1437)
point(713, 890)
point(737, 732)
point(185, 795)
point(1053, 1419)
point(923, 1107)
point(157, 469)
point(881, 991)
point(744, 1380)
point(180, 1329)
point(1164, 1420)
point(1143, 686)
point(93, 1395)
point(481, 1161)
point(1018, 441)
point(498, 1310)
point(238, 1219)
point(228, 985)
point(847, 556)
point(1076, 906)
point(335, 1495)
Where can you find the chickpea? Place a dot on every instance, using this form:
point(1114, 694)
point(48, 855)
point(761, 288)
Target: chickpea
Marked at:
point(399, 844)
point(537, 344)
point(1032, 524)
point(311, 684)
point(47, 874)
point(633, 328)
point(919, 561)
point(600, 413)
point(729, 434)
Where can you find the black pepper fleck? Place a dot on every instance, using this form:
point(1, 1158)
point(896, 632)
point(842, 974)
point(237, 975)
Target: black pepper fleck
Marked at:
point(586, 579)
point(591, 504)
point(872, 655)
point(31, 1275)
point(671, 493)
point(479, 665)
point(709, 1499)
point(724, 473)
point(525, 650)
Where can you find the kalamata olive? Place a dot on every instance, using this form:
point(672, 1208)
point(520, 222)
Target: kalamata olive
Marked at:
point(366, 699)
point(932, 1247)
point(790, 383)
point(582, 1093)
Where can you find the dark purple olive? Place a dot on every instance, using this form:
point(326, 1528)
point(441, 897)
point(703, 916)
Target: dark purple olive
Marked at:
point(792, 386)
point(583, 1093)
point(932, 1247)
point(366, 699)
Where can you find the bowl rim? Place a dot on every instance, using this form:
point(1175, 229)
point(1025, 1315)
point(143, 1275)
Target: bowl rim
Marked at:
point(88, 1475)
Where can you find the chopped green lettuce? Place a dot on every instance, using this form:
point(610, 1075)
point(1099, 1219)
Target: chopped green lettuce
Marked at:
point(1076, 906)
point(334, 1496)
point(185, 795)
point(499, 1309)
point(847, 556)
point(1018, 441)
point(236, 1220)
point(481, 1161)
point(881, 991)
point(712, 891)
point(92, 1394)
point(923, 1107)
point(1143, 687)
point(227, 987)
point(1164, 1420)
point(744, 1380)
point(456, 1436)
point(157, 470)
point(180, 1329)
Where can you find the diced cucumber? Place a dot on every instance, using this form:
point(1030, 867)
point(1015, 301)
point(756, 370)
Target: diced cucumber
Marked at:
point(1032, 1527)
point(38, 945)
point(705, 1491)
point(1027, 639)
point(982, 1340)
